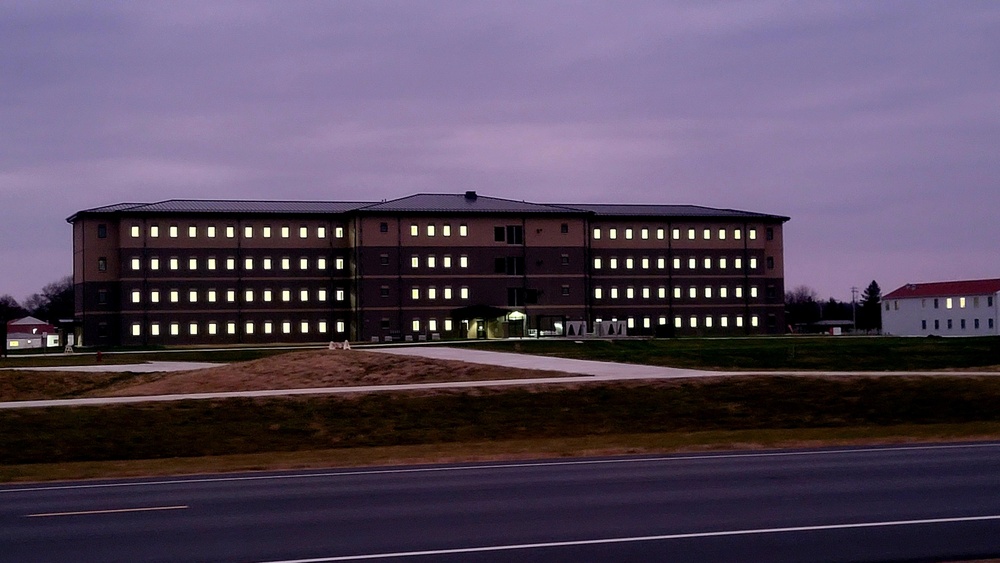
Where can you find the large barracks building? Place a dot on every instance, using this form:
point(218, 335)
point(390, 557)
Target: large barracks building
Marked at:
point(423, 267)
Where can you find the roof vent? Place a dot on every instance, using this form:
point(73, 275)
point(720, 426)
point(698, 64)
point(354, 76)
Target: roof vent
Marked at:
point(471, 195)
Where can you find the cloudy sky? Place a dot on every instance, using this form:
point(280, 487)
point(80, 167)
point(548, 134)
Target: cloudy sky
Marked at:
point(874, 125)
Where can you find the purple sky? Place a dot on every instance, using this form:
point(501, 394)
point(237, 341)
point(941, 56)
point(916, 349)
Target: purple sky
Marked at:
point(874, 125)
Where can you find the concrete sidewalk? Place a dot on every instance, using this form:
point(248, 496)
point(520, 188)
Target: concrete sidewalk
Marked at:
point(148, 367)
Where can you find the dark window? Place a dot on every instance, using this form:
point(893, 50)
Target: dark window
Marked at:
point(937, 324)
point(102, 330)
point(384, 291)
point(515, 296)
point(515, 235)
point(935, 306)
point(772, 320)
point(499, 265)
point(383, 259)
point(383, 227)
point(564, 228)
point(963, 324)
point(923, 325)
point(385, 324)
point(769, 233)
point(531, 296)
point(565, 259)
point(102, 297)
point(565, 290)
point(975, 324)
point(102, 231)
point(989, 301)
point(498, 234)
point(772, 292)
point(990, 322)
point(949, 324)
point(770, 262)
point(511, 265)
point(102, 264)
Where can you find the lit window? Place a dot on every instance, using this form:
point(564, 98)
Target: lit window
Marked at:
point(706, 234)
point(415, 325)
point(154, 231)
point(947, 303)
point(614, 293)
point(661, 292)
point(737, 263)
point(675, 234)
point(645, 263)
point(432, 325)
point(173, 231)
point(174, 264)
point(230, 231)
point(739, 292)
point(267, 295)
point(630, 322)
point(320, 232)
point(446, 261)
point(303, 232)
point(723, 321)
point(754, 319)
point(678, 323)
point(693, 322)
point(286, 263)
point(211, 265)
point(303, 295)
point(661, 262)
point(193, 328)
point(285, 231)
point(267, 263)
point(722, 234)
point(321, 263)
point(248, 263)
point(321, 326)
point(708, 263)
point(414, 261)
point(286, 327)
point(612, 233)
point(303, 263)
point(613, 263)
point(304, 327)
point(463, 261)
point(646, 322)
point(677, 263)
point(136, 296)
point(630, 293)
point(341, 327)
point(248, 232)
point(708, 292)
point(597, 233)
point(175, 329)
point(430, 230)
point(692, 263)
point(339, 263)
point(431, 261)
point(174, 296)
point(752, 235)
point(136, 329)
point(231, 327)
point(597, 263)
point(286, 295)
point(629, 263)
point(677, 293)
point(753, 263)
point(961, 303)
point(447, 293)
point(213, 327)
point(266, 232)
point(738, 234)
point(463, 230)
point(231, 295)
point(248, 296)
point(339, 232)
point(136, 264)
point(446, 230)
point(135, 231)
point(447, 325)
point(248, 327)
point(723, 292)
point(414, 230)
point(598, 293)
point(644, 233)
point(708, 322)
point(339, 295)
point(628, 234)
point(210, 231)
point(662, 321)
point(659, 234)
point(192, 295)
point(431, 292)
point(321, 295)
point(415, 293)
point(154, 329)
point(693, 292)
point(192, 264)
point(211, 296)
point(722, 263)
point(691, 234)
point(464, 293)
point(230, 263)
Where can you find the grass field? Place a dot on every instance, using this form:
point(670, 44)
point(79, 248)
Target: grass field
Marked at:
point(793, 353)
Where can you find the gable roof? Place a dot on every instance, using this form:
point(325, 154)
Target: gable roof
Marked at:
point(227, 206)
point(946, 289)
point(694, 211)
point(29, 321)
point(469, 202)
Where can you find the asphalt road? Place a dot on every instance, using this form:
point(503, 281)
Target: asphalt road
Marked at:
point(862, 504)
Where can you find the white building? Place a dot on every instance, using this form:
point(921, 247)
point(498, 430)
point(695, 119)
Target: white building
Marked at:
point(953, 308)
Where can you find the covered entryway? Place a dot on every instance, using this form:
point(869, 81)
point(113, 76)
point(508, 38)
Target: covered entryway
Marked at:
point(482, 321)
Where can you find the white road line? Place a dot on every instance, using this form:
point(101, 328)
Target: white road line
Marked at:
point(530, 464)
point(664, 537)
point(108, 511)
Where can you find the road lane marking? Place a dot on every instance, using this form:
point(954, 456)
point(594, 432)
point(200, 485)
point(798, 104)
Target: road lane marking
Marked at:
point(108, 511)
point(635, 539)
point(530, 464)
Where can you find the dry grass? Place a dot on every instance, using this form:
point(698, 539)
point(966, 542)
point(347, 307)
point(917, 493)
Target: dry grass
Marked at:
point(314, 368)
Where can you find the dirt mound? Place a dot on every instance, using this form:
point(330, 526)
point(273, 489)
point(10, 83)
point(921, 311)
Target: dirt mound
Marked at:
point(314, 368)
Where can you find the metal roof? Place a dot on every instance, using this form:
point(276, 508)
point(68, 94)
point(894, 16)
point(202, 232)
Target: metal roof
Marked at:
point(633, 210)
point(945, 289)
point(228, 206)
point(469, 202)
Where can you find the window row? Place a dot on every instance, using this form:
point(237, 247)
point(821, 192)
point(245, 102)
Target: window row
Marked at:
point(212, 328)
point(962, 325)
point(230, 263)
point(431, 229)
point(706, 263)
point(431, 293)
point(446, 261)
point(692, 292)
point(231, 295)
point(949, 302)
point(644, 233)
point(229, 231)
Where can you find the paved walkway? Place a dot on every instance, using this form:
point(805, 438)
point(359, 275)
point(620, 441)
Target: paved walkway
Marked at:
point(148, 367)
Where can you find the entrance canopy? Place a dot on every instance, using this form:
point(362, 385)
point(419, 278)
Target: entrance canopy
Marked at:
point(478, 312)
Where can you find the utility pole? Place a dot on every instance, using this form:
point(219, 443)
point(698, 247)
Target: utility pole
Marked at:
point(854, 309)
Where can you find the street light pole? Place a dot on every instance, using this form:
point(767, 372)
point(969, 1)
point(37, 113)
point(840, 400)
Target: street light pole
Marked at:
point(854, 309)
